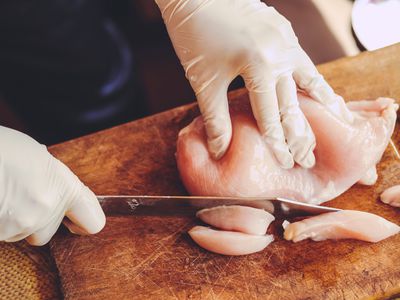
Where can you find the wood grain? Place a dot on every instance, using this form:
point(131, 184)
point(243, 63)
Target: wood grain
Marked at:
point(152, 257)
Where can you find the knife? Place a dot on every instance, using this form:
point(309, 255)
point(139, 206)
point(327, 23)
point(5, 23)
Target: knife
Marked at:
point(167, 205)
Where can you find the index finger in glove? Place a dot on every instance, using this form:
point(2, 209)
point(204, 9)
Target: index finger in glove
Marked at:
point(264, 104)
point(82, 208)
point(298, 133)
point(214, 107)
point(86, 212)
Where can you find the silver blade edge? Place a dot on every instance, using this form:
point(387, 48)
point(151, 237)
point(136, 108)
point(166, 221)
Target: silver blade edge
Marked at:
point(166, 205)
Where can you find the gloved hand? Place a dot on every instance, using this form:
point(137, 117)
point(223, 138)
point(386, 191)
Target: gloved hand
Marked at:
point(37, 190)
point(216, 40)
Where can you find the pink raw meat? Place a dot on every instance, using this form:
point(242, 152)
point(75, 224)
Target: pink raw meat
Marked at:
point(345, 153)
point(391, 196)
point(237, 218)
point(229, 242)
point(344, 224)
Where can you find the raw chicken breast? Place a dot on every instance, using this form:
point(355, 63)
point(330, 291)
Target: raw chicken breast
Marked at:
point(229, 242)
point(345, 153)
point(391, 196)
point(237, 218)
point(345, 224)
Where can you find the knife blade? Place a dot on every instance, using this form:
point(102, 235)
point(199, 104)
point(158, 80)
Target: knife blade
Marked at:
point(167, 205)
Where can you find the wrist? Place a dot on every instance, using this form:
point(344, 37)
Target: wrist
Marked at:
point(178, 9)
point(164, 4)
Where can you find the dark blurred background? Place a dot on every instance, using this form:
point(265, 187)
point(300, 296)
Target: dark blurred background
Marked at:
point(71, 67)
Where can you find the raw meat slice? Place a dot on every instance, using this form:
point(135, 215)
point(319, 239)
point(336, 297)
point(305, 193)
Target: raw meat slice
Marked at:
point(391, 196)
point(345, 153)
point(237, 218)
point(345, 224)
point(229, 242)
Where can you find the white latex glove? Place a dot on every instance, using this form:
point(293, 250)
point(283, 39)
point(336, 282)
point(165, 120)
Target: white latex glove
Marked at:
point(37, 191)
point(217, 40)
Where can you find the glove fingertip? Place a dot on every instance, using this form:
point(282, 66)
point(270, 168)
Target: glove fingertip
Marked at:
point(218, 146)
point(284, 158)
point(219, 134)
point(309, 161)
point(36, 241)
point(87, 213)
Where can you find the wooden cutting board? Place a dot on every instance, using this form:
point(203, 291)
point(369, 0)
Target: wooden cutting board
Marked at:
point(152, 257)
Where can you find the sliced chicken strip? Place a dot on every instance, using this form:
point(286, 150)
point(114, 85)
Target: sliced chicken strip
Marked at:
point(345, 224)
point(237, 218)
point(229, 242)
point(391, 196)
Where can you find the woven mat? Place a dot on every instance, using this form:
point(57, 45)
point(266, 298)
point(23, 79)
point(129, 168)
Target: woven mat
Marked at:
point(27, 272)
